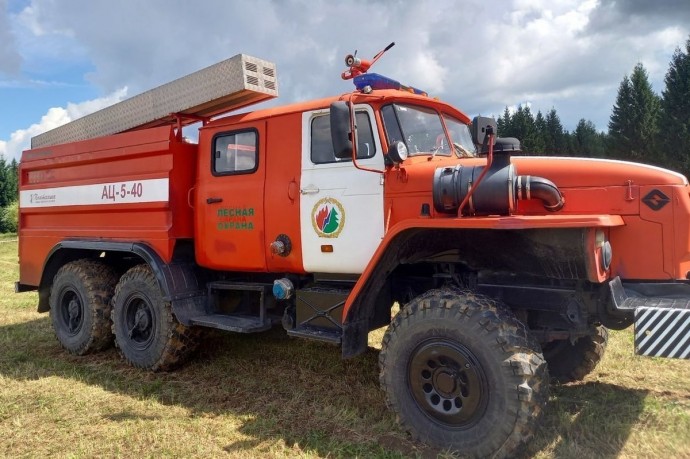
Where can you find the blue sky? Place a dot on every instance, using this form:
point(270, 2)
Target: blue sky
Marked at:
point(63, 59)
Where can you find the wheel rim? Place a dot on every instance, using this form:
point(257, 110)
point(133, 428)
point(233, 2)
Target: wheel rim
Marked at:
point(448, 383)
point(70, 311)
point(140, 321)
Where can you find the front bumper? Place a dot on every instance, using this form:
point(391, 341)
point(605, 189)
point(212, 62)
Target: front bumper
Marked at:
point(660, 312)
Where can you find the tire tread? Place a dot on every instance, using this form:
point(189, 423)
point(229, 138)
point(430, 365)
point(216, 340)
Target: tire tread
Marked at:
point(572, 363)
point(99, 281)
point(180, 340)
point(522, 356)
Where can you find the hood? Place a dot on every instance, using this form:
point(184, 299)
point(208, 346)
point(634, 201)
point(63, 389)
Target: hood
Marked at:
point(569, 172)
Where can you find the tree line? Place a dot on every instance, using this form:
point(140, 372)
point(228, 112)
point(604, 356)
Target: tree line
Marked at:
point(545, 135)
point(643, 127)
point(8, 195)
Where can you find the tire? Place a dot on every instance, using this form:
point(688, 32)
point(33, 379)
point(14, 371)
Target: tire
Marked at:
point(570, 362)
point(462, 374)
point(146, 332)
point(80, 306)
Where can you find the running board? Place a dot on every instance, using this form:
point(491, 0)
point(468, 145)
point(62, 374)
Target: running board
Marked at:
point(233, 323)
point(317, 334)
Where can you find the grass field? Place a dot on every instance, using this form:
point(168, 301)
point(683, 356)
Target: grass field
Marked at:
point(272, 396)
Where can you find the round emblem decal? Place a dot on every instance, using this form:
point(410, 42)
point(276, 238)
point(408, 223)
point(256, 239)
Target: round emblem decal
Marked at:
point(328, 217)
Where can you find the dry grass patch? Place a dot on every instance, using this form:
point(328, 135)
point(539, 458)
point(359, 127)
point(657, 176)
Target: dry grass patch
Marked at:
point(271, 396)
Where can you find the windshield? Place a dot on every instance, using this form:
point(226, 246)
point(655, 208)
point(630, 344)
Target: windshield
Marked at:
point(461, 137)
point(421, 130)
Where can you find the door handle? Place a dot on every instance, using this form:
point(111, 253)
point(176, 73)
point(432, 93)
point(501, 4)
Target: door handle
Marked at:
point(309, 189)
point(213, 200)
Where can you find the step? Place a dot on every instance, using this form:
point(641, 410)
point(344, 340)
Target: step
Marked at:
point(266, 301)
point(317, 334)
point(233, 323)
point(632, 295)
point(231, 285)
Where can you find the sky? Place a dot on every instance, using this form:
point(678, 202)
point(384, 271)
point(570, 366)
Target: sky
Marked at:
point(60, 60)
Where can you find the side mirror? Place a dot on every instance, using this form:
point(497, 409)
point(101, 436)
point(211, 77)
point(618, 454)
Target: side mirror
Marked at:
point(480, 125)
point(340, 130)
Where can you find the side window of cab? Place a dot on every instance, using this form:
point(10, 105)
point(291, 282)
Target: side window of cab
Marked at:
point(235, 153)
point(322, 146)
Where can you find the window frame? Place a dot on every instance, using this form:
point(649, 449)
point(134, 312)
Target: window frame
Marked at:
point(336, 160)
point(474, 152)
point(420, 108)
point(216, 136)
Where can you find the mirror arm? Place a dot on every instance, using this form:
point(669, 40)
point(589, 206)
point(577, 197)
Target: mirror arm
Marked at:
point(353, 133)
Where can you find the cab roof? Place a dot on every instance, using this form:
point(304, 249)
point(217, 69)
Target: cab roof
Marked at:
point(378, 98)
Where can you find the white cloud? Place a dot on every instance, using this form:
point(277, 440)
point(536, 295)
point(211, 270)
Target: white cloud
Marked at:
point(20, 139)
point(28, 19)
point(567, 54)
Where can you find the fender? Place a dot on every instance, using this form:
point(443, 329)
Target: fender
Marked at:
point(179, 281)
point(395, 249)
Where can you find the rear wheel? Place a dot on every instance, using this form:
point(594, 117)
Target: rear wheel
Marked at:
point(570, 362)
point(146, 332)
point(463, 374)
point(80, 306)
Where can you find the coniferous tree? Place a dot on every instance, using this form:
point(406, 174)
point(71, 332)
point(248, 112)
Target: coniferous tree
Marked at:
point(621, 129)
point(503, 123)
point(12, 180)
point(523, 128)
point(674, 120)
point(634, 121)
point(569, 144)
point(5, 192)
point(587, 141)
point(539, 133)
point(554, 139)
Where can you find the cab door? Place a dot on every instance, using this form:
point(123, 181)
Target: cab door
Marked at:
point(230, 199)
point(341, 207)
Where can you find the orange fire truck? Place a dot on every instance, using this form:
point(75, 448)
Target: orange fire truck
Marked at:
point(322, 215)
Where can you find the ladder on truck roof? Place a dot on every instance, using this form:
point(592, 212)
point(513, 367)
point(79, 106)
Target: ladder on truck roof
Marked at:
point(228, 85)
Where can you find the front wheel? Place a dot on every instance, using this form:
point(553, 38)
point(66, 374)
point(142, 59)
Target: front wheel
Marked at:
point(572, 361)
point(463, 374)
point(146, 332)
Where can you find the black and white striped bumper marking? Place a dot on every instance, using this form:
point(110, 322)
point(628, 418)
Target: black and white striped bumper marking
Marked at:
point(662, 332)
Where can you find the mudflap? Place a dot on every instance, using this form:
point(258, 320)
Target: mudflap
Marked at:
point(662, 332)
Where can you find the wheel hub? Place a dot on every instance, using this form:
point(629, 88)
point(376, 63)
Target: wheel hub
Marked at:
point(73, 309)
point(447, 383)
point(142, 320)
point(444, 381)
point(70, 311)
point(139, 321)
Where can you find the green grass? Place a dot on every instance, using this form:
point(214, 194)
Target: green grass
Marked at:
point(272, 396)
